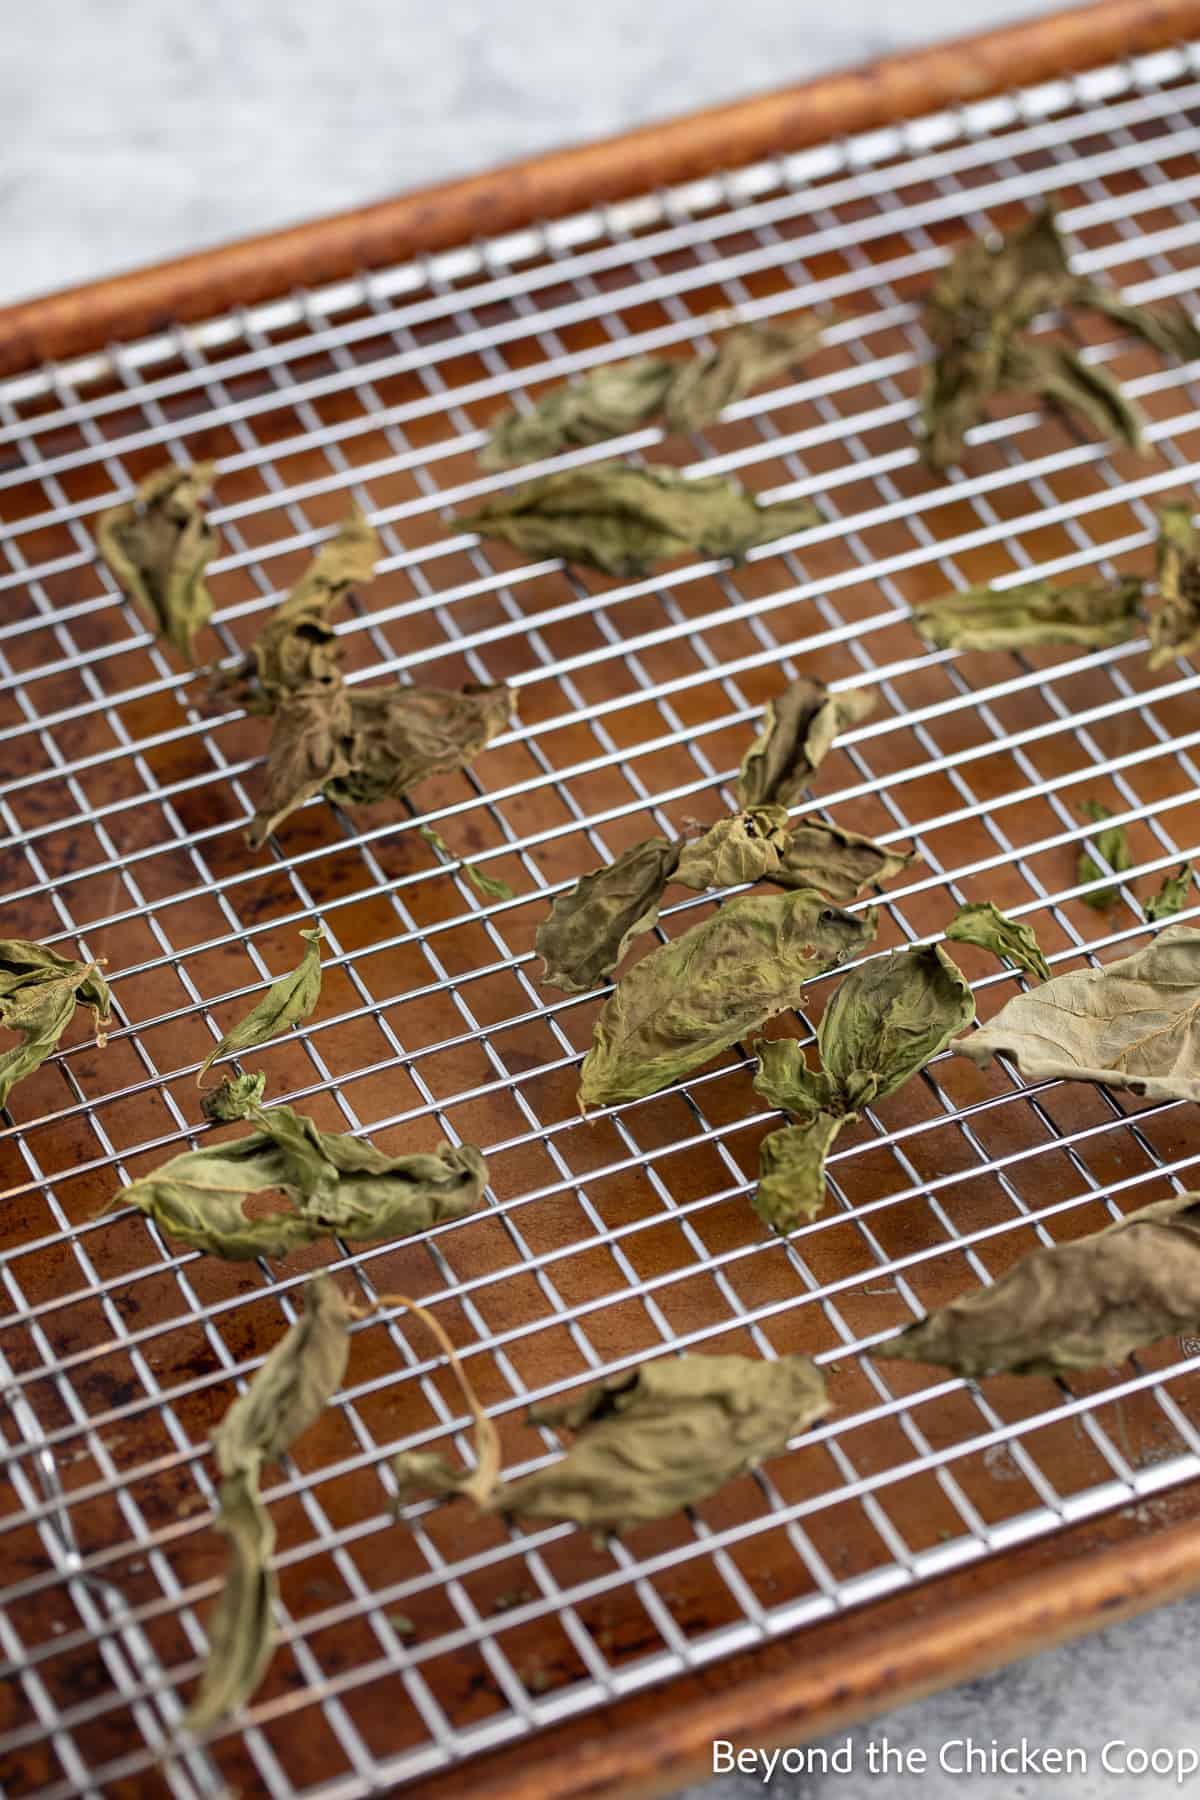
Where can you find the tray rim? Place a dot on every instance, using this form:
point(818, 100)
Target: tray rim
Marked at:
point(184, 290)
point(937, 1633)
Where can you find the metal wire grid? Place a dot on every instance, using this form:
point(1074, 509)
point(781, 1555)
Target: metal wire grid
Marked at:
point(652, 687)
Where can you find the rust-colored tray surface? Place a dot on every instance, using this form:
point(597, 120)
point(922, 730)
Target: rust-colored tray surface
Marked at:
point(630, 1235)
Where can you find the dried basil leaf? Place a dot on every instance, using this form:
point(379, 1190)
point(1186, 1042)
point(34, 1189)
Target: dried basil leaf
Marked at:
point(284, 1004)
point(589, 929)
point(1173, 895)
point(1083, 1305)
point(311, 743)
point(797, 734)
point(983, 923)
point(490, 886)
point(838, 862)
point(1092, 613)
point(1113, 847)
point(687, 1001)
point(1131, 1024)
point(663, 1436)
point(402, 735)
point(298, 648)
point(977, 315)
point(885, 1021)
point(622, 520)
point(241, 1629)
point(1175, 626)
point(338, 1185)
point(157, 545)
point(291, 1389)
point(39, 991)
point(746, 847)
point(610, 401)
point(233, 1098)
point(286, 1396)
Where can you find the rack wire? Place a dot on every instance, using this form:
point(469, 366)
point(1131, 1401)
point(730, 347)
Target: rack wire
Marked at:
point(407, 1648)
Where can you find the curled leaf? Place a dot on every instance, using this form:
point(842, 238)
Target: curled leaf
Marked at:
point(39, 991)
point(234, 1098)
point(1174, 894)
point(1131, 1024)
point(311, 744)
point(983, 923)
point(157, 545)
point(839, 863)
point(1175, 626)
point(284, 1004)
point(1092, 613)
point(791, 1170)
point(798, 731)
point(620, 397)
point(1070, 386)
point(1083, 1305)
point(338, 1185)
point(1113, 846)
point(589, 928)
point(746, 847)
point(622, 520)
point(402, 735)
point(660, 1437)
point(241, 1628)
point(692, 998)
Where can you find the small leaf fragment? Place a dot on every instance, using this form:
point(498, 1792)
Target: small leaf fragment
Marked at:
point(1130, 1024)
point(285, 1003)
point(490, 886)
point(338, 1185)
point(234, 1098)
point(746, 847)
point(1113, 847)
point(1174, 894)
point(838, 862)
point(589, 928)
point(1082, 1305)
point(798, 731)
point(622, 520)
point(158, 545)
point(982, 923)
point(619, 397)
point(1094, 614)
point(687, 1001)
point(1175, 626)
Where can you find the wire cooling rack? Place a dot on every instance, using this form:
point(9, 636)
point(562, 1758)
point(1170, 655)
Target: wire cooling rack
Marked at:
point(406, 1648)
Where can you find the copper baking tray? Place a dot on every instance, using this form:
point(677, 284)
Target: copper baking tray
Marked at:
point(927, 1529)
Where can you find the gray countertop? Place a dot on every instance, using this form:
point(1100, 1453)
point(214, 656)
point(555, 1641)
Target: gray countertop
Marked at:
point(136, 132)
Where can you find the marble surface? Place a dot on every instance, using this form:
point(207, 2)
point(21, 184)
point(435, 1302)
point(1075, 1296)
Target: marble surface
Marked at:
point(138, 131)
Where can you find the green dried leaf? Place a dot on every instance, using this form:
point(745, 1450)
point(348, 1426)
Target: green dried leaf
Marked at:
point(978, 312)
point(984, 924)
point(234, 1098)
point(687, 1001)
point(39, 991)
point(1175, 626)
point(292, 1388)
point(839, 863)
point(797, 734)
point(338, 1185)
point(157, 545)
point(791, 1171)
point(618, 398)
point(658, 1438)
point(1131, 1024)
point(622, 520)
point(241, 1629)
point(403, 735)
point(284, 1004)
point(1092, 613)
point(590, 928)
point(1174, 894)
point(298, 649)
point(490, 886)
point(886, 1020)
point(1112, 846)
point(746, 847)
point(286, 1396)
point(1083, 1305)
